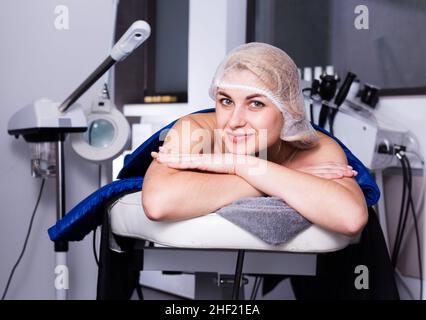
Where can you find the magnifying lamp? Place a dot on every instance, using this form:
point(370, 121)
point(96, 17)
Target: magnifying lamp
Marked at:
point(44, 124)
point(107, 134)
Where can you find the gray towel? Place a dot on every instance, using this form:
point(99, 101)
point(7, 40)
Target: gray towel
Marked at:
point(269, 218)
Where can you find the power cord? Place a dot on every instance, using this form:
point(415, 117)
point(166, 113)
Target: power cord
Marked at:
point(26, 241)
point(255, 289)
point(407, 202)
point(416, 227)
point(95, 254)
point(403, 213)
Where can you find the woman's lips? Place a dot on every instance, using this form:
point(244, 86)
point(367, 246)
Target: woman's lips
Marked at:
point(237, 138)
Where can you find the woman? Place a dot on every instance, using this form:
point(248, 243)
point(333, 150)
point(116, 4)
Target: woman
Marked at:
point(256, 143)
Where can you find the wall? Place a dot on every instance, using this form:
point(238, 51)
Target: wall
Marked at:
point(36, 61)
point(215, 27)
point(390, 53)
point(322, 32)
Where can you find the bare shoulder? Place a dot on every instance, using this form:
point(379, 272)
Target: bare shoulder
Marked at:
point(196, 121)
point(204, 120)
point(326, 150)
point(185, 135)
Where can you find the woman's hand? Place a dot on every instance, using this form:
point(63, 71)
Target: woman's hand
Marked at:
point(218, 163)
point(227, 163)
point(330, 170)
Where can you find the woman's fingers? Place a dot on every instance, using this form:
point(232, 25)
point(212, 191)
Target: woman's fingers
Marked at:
point(224, 163)
point(343, 171)
point(330, 173)
point(327, 170)
point(174, 158)
point(330, 165)
point(331, 169)
point(164, 150)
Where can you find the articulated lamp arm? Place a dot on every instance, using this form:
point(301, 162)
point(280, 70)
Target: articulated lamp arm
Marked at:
point(138, 33)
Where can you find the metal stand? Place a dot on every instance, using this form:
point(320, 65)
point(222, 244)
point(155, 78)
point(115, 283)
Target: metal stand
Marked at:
point(61, 247)
point(238, 275)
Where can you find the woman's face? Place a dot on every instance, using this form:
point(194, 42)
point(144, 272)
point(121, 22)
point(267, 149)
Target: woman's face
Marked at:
point(249, 122)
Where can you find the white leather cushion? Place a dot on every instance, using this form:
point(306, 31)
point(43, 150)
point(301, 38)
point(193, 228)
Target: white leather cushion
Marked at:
point(211, 231)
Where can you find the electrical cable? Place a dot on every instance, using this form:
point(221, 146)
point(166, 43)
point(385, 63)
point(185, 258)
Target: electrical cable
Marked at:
point(417, 212)
point(416, 227)
point(257, 288)
point(26, 240)
point(408, 185)
point(253, 290)
point(401, 213)
point(95, 254)
point(407, 202)
point(420, 200)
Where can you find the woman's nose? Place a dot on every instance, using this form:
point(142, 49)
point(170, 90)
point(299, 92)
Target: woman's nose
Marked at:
point(237, 118)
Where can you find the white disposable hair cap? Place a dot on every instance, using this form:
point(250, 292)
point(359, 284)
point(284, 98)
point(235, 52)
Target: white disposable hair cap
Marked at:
point(280, 84)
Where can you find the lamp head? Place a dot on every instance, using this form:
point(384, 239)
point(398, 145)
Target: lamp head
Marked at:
point(137, 34)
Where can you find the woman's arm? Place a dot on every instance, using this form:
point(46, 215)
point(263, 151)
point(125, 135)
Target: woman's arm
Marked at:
point(170, 194)
point(337, 205)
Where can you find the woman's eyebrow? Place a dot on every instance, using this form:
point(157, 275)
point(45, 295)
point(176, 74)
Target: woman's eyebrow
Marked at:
point(224, 94)
point(256, 95)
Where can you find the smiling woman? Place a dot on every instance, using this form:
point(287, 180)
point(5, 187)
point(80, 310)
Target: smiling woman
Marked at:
point(244, 117)
point(262, 146)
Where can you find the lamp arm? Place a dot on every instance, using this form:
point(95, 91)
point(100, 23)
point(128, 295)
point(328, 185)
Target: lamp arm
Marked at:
point(138, 33)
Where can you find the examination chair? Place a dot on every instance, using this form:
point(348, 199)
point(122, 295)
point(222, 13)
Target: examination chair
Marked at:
point(320, 264)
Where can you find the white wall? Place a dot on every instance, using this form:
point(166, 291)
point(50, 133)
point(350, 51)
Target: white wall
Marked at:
point(215, 28)
point(390, 53)
point(37, 60)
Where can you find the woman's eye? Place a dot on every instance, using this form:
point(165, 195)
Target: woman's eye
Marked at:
point(225, 102)
point(257, 104)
